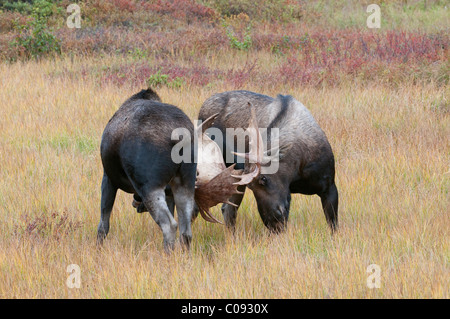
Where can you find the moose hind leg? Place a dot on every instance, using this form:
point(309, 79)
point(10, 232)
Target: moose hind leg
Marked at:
point(185, 206)
point(330, 200)
point(138, 204)
point(155, 201)
point(107, 201)
point(183, 188)
point(170, 200)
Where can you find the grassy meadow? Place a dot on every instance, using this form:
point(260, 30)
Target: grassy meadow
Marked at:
point(380, 95)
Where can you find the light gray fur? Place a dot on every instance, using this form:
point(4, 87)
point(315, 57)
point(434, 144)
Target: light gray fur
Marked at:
point(306, 164)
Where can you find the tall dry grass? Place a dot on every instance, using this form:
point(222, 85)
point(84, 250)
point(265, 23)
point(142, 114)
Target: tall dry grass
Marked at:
point(392, 157)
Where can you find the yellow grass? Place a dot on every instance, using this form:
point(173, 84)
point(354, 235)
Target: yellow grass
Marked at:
point(392, 158)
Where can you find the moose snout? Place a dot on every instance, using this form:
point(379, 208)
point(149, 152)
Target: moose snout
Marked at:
point(276, 218)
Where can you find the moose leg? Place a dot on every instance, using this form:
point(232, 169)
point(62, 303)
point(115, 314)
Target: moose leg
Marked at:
point(170, 201)
point(138, 204)
point(184, 201)
point(155, 201)
point(107, 201)
point(330, 206)
point(229, 212)
point(140, 207)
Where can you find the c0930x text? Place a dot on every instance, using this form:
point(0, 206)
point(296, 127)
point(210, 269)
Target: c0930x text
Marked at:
point(231, 308)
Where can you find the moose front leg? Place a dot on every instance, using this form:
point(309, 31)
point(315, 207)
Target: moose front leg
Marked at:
point(229, 212)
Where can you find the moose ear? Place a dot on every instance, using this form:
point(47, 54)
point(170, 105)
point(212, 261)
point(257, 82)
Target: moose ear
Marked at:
point(150, 94)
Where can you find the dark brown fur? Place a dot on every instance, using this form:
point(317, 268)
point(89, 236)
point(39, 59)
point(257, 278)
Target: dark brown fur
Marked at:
point(136, 156)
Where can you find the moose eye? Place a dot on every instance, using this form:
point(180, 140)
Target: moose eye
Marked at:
point(263, 180)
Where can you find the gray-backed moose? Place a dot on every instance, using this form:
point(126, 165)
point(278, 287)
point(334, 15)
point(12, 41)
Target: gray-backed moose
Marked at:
point(306, 163)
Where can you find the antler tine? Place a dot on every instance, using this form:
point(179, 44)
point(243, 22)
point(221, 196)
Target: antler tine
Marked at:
point(218, 190)
point(256, 151)
point(206, 124)
point(255, 154)
point(209, 217)
point(247, 178)
point(203, 196)
point(209, 157)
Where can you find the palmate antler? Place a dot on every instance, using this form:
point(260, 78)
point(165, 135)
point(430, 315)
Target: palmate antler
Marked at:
point(215, 182)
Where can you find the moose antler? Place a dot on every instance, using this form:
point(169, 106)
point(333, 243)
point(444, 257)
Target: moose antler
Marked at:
point(215, 182)
point(256, 152)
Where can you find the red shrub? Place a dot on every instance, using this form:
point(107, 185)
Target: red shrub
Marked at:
point(240, 77)
point(125, 5)
point(47, 225)
point(181, 9)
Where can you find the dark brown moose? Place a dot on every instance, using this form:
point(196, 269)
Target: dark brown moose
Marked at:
point(136, 153)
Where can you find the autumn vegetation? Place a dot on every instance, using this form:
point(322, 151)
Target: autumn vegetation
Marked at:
point(380, 95)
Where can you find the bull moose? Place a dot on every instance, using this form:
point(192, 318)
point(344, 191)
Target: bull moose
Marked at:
point(136, 153)
point(306, 161)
